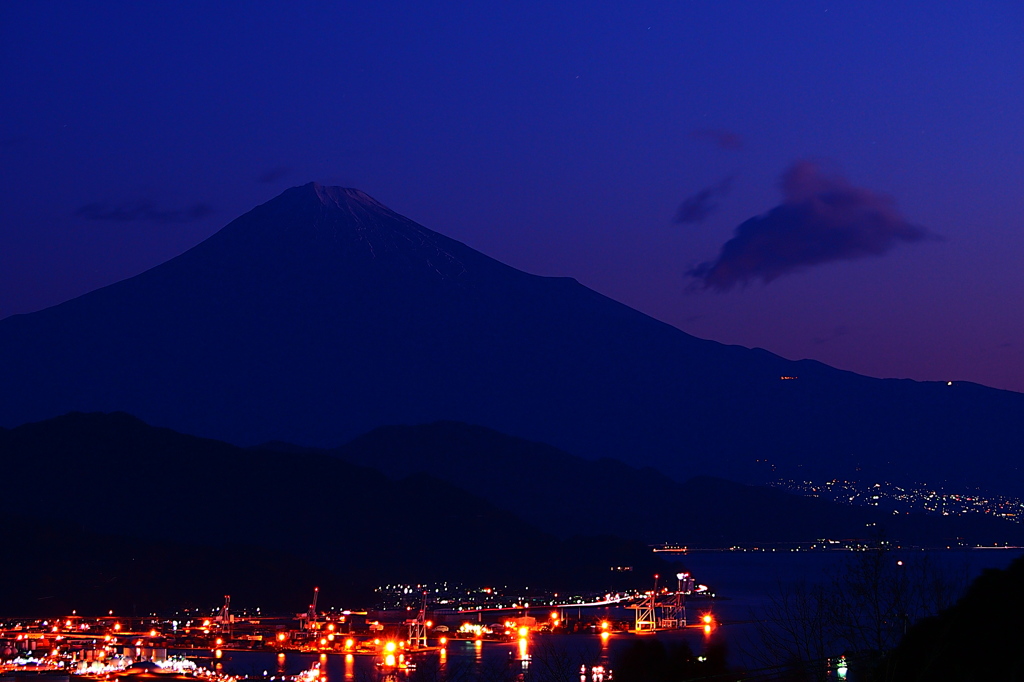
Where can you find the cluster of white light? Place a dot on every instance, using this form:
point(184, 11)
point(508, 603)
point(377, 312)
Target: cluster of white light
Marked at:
point(112, 665)
point(909, 498)
point(311, 675)
point(178, 664)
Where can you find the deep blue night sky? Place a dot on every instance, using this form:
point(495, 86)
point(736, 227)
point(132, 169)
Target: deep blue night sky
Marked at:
point(620, 144)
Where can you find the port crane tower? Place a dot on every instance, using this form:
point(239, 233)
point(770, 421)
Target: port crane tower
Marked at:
point(653, 615)
point(311, 617)
point(647, 612)
point(418, 628)
point(224, 617)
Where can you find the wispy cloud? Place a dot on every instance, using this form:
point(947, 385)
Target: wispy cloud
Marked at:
point(697, 207)
point(143, 211)
point(822, 218)
point(723, 139)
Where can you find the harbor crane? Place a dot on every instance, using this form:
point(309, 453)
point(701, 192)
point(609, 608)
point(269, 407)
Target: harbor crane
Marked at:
point(674, 612)
point(311, 616)
point(418, 628)
point(225, 610)
point(224, 617)
point(653, 614)
point(647, 612)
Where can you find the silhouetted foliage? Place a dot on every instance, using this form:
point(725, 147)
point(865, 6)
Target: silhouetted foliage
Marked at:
point(862, 610)
point(978, 638)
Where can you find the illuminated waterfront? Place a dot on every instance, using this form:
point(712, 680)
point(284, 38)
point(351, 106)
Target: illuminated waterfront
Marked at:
point(544, 655)
point(448, 642)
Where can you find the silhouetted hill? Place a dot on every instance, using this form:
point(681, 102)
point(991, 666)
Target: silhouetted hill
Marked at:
point(52, 568)
point(321, 314)
point(113, 474)
point(566, 494)
point(977, 639)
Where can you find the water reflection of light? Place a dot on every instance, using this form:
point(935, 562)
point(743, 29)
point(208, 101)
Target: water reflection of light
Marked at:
point(709, 622)
point(350, 667)
point(524, 653)
point(280, 663)
point(218, 653)
point(604, 638)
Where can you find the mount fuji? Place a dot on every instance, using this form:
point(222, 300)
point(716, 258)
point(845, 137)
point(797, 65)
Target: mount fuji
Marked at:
point(322, 314)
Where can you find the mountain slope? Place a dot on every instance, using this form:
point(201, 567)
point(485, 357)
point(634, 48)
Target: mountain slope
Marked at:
point(321, 314)
point(60, 567)
point(567, 495)
point(113, 474)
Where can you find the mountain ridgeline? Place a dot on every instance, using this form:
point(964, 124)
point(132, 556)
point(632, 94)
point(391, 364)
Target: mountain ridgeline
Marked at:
point(109, 512)
point(567, 495)
point(322, 314)
point(106, 504)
